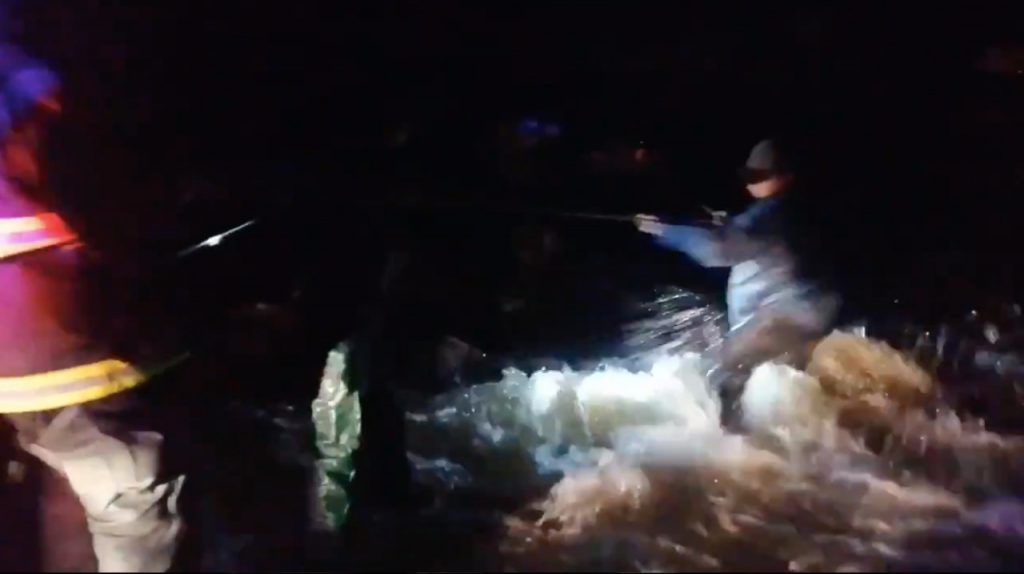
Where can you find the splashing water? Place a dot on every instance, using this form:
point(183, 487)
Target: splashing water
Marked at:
point(850, 466)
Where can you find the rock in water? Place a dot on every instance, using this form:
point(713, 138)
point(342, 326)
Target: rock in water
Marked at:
point(854, 367)
point(337, 419)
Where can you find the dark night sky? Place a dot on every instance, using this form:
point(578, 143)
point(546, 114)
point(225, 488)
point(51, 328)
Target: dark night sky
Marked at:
point(259, 68)
point(251, 93)
point(241, 65)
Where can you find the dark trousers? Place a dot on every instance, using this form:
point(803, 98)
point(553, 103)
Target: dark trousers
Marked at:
point(765, 337)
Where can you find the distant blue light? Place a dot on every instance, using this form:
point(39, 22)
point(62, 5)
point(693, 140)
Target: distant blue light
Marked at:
point(529, 127)
point(532, 127)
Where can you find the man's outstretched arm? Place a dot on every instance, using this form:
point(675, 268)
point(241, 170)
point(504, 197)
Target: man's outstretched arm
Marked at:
point(722, 246)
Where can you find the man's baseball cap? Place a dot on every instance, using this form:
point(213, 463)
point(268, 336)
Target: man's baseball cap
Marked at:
point(766, 160)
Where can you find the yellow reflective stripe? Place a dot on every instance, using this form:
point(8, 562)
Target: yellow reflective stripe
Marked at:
point(109, 369)
point(61, 400)
point(21, 224)
point(75, 385)
point(46, 403)
point(67, 387)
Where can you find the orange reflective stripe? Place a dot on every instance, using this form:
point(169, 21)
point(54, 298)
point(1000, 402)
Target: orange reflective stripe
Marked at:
point(13, 225)
point(25, 234)
point(55, 224)
point(11, 251)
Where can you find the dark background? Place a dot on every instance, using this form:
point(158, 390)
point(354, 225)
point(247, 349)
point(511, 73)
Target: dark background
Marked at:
point(186, 118)
point(911, 144)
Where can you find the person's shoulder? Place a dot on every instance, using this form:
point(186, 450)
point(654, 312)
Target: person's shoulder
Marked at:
point(759, 211)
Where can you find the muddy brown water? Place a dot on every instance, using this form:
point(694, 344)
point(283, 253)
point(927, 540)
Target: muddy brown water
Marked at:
point(630, 470)
point(646, 479)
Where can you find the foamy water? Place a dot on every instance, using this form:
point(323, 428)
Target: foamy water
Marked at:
point(856, 467)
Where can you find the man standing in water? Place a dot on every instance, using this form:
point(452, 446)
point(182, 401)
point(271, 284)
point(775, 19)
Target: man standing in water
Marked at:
point(777, 306)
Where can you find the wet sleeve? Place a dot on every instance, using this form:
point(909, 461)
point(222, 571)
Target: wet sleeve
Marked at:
point(715, 247)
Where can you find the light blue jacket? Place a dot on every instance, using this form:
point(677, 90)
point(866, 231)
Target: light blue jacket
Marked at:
point(765, 275)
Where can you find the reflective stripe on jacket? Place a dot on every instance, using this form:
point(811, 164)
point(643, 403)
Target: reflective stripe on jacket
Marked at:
point(65, 387)
point(46, 359)
point(26, 234)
